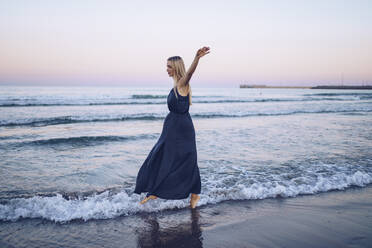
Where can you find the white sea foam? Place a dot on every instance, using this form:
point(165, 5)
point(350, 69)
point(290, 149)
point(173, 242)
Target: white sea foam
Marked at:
point(106, 205)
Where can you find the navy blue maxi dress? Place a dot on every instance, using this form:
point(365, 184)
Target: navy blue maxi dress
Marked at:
point(171, 170)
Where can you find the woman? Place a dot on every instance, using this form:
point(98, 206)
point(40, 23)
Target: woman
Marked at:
point(171, 171)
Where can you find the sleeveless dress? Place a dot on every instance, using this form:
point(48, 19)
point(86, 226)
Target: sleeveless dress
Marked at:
point(171, 170)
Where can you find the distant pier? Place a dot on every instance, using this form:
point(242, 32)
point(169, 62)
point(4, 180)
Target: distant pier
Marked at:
point(340, 87)
point(344, 87)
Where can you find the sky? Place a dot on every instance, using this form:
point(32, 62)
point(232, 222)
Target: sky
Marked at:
point(127, 43)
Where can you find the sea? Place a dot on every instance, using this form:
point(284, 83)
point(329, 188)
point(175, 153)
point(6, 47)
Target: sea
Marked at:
point(73, 153)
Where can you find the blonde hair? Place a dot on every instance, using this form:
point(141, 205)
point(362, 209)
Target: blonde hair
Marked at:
point(180, 71)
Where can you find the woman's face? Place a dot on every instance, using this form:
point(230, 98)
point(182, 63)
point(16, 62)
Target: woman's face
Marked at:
point(170, 69)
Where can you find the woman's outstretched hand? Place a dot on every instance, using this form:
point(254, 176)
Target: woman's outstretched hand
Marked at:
point(202, 51)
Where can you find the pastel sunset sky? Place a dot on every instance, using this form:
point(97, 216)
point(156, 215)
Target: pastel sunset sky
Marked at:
point(272, 42)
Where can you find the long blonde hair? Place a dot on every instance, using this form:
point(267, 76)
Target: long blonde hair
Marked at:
point(180, 71)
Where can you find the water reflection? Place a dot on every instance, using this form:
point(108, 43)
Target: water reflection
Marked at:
point(182, 234)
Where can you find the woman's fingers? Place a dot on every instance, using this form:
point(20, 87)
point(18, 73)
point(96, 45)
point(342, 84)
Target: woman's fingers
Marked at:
point(202, 51)
point(205, 51)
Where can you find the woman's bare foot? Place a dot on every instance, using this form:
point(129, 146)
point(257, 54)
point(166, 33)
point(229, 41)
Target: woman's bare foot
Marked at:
point(148, 198)
point(194, 199)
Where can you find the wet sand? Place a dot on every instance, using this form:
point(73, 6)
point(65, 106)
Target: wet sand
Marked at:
point(332, 219)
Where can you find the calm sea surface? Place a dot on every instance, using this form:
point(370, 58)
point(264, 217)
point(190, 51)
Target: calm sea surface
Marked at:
point(74, 152)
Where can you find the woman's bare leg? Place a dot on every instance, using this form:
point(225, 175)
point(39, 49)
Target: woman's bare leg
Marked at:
point(194, 200)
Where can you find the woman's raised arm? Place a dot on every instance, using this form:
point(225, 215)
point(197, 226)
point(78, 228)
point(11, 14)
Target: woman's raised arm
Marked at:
point(200, 53)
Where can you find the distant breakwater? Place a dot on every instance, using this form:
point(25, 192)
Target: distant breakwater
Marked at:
point(341, 87)
point(344, 87)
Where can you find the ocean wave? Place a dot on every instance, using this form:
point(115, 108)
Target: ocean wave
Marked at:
point(82, 140)
point(217, 115)
point(108, 205)
point(359, 94)
point(276, 100)
point(148, 96)
point(39, 122)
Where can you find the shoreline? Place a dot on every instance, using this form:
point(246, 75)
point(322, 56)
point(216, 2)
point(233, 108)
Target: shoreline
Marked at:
point(329, 219)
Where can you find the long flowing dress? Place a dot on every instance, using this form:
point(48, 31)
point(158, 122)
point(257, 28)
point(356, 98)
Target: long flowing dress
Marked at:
point(171, 170)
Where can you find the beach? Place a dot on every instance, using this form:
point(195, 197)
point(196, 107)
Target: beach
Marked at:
point(332, 219)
